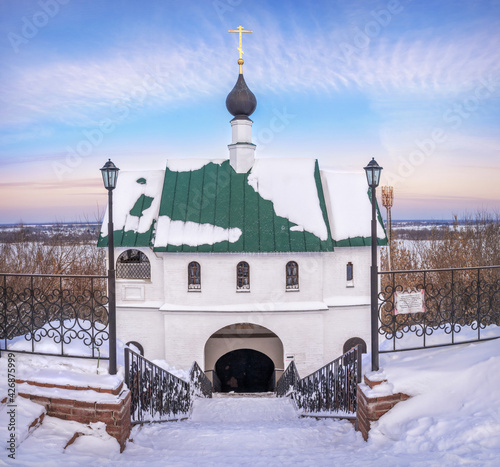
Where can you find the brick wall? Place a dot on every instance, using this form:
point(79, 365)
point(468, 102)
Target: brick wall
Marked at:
point(370, 409)
point(116, 414)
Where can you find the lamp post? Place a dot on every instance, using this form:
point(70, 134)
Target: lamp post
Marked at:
point(373, 171)
point(109, 176)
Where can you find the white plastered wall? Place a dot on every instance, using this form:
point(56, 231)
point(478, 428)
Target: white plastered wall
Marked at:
point(178, 327)
point(218, 280)
point(300, 333)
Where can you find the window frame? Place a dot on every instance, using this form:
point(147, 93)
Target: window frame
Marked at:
point(124, 266)
point(244, 275)
point(292, 279)
point(194, 280)
point(349, 269)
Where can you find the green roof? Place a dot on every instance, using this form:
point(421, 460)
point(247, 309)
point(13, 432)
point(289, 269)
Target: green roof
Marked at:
point(215, 194)
point(217, 197)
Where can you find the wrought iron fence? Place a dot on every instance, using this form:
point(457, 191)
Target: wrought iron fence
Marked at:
point(331, 390)
point(200, 384)
point(288, 381)
point(61, 308)
point(157, 395)
point(416, 304)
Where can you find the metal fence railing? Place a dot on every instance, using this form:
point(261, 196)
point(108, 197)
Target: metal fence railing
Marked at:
point(159, 396)
point(156, 394)
point(331, 390)
point(62, 310)
point(437, 307)
point(200, 384)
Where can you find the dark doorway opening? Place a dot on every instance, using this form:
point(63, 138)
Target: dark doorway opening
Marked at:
point(245, 370)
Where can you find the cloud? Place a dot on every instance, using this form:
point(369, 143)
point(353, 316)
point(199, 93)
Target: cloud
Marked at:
point(79, 92)
point(434, 66)
point(89, 184)
point(138, 73)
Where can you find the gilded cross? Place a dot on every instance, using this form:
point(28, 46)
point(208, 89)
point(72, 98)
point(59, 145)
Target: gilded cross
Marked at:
point(240, 30)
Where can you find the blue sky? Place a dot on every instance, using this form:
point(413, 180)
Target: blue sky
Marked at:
point(414, 84)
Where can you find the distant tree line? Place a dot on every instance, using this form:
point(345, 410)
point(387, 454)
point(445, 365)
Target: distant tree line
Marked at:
point(62, 234)
point(58, 249)
point(470, 241)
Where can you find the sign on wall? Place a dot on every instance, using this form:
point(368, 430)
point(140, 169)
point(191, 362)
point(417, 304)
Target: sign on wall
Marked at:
point(409, 302)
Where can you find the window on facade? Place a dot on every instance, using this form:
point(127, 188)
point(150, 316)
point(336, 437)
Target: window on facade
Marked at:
point(292, 276)
point(194, 276)
point(243, 276)
point(133, 264)
point(349, 274)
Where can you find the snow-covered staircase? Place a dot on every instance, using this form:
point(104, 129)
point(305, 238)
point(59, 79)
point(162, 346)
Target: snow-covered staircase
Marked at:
point(248, 408)
point(240, 430)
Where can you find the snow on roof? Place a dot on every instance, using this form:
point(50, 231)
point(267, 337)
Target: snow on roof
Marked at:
point(188, 165)
point(280, 205)
point(291, 186)
point(138, 196)
point(350, 209)
point(213, 208)
point(169, 232)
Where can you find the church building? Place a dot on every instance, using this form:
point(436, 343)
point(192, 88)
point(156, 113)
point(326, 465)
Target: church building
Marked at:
point(242, 264)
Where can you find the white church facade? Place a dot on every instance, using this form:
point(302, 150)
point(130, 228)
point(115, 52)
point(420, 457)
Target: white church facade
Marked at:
point(264, 260)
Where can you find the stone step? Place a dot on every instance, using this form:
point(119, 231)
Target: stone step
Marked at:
point(244, 394)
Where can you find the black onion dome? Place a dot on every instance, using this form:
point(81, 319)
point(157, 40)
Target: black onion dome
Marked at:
point(241, 102)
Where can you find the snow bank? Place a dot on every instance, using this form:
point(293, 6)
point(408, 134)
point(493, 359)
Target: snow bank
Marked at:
point(169, 232)
point(26, 413)
point(290, 185)
point(46, 446)
point(454, 413)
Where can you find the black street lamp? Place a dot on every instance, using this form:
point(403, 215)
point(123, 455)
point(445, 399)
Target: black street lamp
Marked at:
point(109, 176)
point(373, 171)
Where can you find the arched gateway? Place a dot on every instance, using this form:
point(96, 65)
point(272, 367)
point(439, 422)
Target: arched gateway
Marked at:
point(245, 357)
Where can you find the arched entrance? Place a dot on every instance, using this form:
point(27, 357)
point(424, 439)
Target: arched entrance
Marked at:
point(244, 357)
point(245, 370)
